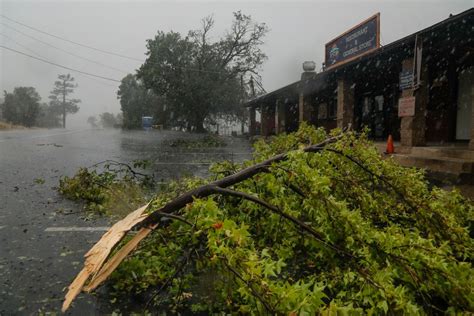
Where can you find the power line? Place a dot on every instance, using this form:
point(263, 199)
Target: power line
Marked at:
point(58, 65)
point(39, 55)
point(105, 51)
point(65, 51)
point(72, 42)
point(21, 45)
point(259, 84)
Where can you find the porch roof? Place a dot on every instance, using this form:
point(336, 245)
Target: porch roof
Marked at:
point(315, 82)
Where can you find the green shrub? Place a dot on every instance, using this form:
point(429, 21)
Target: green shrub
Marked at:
point(116, 190)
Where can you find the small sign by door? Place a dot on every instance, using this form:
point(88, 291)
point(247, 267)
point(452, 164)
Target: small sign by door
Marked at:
point(406, 106)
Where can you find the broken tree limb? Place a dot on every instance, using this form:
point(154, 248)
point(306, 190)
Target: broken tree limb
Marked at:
point(342, 202)
point(97, 255)
point(113, 262)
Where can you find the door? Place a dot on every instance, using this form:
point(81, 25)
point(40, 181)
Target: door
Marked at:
point(465, 100)
point(379, 119)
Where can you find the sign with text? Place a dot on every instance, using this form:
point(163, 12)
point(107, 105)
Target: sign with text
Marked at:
point(406, 80)
point(361, 39)
point(406, 106)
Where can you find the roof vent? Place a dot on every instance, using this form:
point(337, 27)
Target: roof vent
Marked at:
point(309, 66)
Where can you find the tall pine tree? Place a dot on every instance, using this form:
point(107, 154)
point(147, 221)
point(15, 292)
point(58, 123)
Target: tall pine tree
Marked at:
point(62, 88)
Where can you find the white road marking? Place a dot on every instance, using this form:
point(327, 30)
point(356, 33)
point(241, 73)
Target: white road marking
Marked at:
point(183, 163)
point(76, 229)
point(204, 153)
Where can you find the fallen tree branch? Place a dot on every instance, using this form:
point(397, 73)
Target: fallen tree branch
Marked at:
point(113, 262)
point(363, 197)
point(168, 281)
point(96, 257)
point(370, 172)
point(244, 174)
point(299, 224)
point(120, 164)
point(107, 269)
point(254, 292)
point(292, 219)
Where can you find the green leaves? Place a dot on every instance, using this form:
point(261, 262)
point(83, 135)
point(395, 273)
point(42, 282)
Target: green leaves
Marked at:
point(137, 101)
point(117, 190)
point(22, 106)
point(384, 242)
point(198, 77)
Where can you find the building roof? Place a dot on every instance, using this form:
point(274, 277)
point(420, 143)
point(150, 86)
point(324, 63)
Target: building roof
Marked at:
point(316, 81)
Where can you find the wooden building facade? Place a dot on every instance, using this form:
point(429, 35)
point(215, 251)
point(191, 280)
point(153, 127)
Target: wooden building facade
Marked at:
point(436, 106)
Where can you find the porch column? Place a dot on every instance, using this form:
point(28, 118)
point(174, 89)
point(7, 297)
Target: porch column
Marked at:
point(280, 117)
point(252, 125)
point(412, 128)
point(277, 116)
point(268, 120)
point(345, 103)
point(304, 109)
point(263, 120)
point(471, 142)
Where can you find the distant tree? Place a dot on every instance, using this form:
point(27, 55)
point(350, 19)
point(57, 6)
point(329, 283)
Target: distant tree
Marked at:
point(92, 121)
point(22, 106)
point(119, 119)
point(49, 116)
point(200, 78)
point(137, 101)
point(109, 120)
point(62, 89)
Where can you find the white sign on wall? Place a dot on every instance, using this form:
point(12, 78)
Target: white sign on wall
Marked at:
point(406, 106)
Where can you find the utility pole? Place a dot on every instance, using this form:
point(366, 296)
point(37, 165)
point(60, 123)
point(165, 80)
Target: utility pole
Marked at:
point(252, 86)
point(242, 97)
point(64, 103)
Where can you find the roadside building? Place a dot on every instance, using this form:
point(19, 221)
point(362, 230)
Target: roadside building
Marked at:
point(419, 89)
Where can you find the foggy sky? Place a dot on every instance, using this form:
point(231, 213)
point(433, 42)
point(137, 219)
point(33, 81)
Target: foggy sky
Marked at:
point(298, 32)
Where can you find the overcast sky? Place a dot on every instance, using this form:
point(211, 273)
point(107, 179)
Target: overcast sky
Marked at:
point(298, 32)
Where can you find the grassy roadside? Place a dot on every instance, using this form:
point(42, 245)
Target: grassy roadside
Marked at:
point(9, 126)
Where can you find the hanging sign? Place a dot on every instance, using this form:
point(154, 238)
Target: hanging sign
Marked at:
point(406, 106)
point(359, 40)
point(406, 80)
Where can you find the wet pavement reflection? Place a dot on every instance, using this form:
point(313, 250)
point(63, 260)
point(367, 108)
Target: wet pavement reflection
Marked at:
point(38, 261)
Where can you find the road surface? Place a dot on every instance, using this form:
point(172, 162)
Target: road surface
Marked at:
point(41, 245)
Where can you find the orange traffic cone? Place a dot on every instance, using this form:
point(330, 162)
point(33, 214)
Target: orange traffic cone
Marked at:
point(390, 148)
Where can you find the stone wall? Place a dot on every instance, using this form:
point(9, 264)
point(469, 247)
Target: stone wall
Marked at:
point(413, 128)
point(345, 103)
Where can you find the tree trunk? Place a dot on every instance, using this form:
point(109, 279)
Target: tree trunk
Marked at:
point(200, 128)
point(64, 104)
point(199, 125)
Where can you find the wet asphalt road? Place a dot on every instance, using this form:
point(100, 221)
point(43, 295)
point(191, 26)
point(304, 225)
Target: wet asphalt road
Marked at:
point(36, 264)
